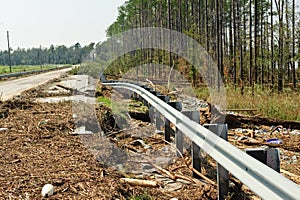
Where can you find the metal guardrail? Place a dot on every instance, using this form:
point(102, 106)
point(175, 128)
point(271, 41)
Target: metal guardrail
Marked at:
point(17, 74)
point(262, 180)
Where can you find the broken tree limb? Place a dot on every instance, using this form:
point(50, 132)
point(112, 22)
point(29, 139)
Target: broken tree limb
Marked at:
point(277, 127)
point(150, 82)
point(76, 91)
point(64, 87)
point(237, 121)
point(202, 176)
point(174, 176)
point(163, 171)
point(139, 182)
point(191, 168)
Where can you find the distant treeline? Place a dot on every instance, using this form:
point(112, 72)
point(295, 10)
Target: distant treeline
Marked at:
point(52, 55)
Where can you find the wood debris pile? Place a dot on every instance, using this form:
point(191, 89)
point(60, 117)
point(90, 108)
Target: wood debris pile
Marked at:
point(37, 148)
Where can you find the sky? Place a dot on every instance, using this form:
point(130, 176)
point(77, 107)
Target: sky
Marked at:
point(34, 23)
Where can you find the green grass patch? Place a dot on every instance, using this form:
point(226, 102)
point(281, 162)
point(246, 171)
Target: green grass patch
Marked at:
point(144, 196)
point(118, 108)
point(121, 108)
point(137, 106)
point(105, 101)
point(74, 70)
point(285, 105)
point(24, 68)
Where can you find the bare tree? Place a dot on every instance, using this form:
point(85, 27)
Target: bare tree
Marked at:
point(272, 48)
point(280, 5)
point(250, 48)
point(293, 45)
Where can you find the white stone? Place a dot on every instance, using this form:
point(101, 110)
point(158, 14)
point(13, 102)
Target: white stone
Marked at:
point(47, 190)
point(3, 129)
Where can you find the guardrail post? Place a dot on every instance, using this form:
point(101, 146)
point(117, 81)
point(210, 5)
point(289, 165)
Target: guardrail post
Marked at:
point(144, 101)
point(273, 159)
point(222, 174)
point(270, 157)
point(141, 99)
point(129, 94)
point(134, 96)
point(125, 93)
point(196, 162)
point(152, 111)
point(168, 130)
point(158, 121)
point(155, 93)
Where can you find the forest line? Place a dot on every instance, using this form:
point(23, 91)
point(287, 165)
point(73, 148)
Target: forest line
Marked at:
point(253, 42)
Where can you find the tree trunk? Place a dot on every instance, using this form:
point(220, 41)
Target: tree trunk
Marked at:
point(170, 27)
point(287, 44)
point(293, 46)
point(233, 2)
point(272, 48)
point(221, 40)
point(262, 45)
point(250, 49)
point(240, 49)
point(256, 41)
point(280, 72)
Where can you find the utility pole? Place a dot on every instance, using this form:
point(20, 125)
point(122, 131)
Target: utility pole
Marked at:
point(9, 59)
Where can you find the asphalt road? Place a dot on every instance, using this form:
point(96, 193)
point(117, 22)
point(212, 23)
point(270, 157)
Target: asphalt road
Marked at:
point(11, 88)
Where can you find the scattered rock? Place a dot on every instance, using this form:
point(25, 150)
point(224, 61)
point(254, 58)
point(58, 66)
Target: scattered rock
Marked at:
point(3, 129)
point(295, 132)
point(47, 190)
point(242, 138)
point(82, 131)
point(294, 158)
point(159, 132)
point(171, 187)
point(141, 142)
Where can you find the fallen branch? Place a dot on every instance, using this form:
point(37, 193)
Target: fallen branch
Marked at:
point(138, 182)
point(277, 127)
point(193, 169)
point(179, 167)
point(237, 121)
point(151, 83)
point(174, 176)
point(202, 176)
point(76, 91)
point(163, 171)
point(66, 88)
